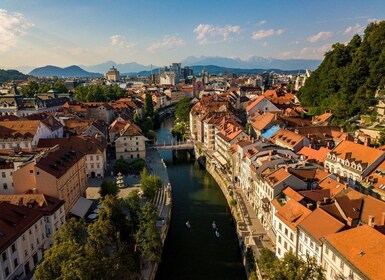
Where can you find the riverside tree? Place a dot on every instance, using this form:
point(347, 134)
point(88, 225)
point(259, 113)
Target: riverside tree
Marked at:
point(101, 250)
point(290, 267)
point(149, 184)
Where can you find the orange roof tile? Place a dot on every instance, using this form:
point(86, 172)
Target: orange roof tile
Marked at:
point(320, 224)
point(262, 121)
point(358, 153)
point(292, 213)
point(364, 247)
point(287, 137)
point(313, 154)
point(292, 194)
point(375, 208)
point(254, 103)
point(277, 176)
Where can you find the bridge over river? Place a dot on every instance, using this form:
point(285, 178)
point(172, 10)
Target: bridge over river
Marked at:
point(177, 145)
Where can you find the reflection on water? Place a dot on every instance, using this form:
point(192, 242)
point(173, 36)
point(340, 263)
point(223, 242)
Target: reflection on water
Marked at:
point(196, 252)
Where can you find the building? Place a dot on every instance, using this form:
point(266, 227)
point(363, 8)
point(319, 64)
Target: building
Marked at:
point(312, 229)
point(357, 253)
point(94, 149)
point(289, 140)
point(58, 172)
point(285, 224)
point(130, 143)
point(22, 239)
point(112, 74)
point(353, 161)
point(25, 134)
point(52, 209)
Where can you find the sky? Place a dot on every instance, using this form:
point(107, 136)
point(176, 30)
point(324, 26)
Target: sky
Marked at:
point(159, 32)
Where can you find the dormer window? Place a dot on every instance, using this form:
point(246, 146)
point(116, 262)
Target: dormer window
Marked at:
point(353, 165)
point(347, 163)
point(334, 157)
point(359, 167)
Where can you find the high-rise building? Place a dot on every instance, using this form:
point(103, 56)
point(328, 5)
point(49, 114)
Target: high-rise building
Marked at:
point(112, 74)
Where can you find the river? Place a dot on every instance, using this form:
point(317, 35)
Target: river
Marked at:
point(196, 252)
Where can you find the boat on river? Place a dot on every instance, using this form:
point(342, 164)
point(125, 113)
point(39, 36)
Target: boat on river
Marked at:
point(188, 224)
point(217, 233)
point(214, 225)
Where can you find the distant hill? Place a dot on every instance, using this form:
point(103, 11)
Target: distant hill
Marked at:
point(131, 67)
point(67, 72)
point(214, 69)
point(254, 62)
point(11, 75)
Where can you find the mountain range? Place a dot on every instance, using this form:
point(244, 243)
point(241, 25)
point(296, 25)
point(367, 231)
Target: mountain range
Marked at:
point(216, 65)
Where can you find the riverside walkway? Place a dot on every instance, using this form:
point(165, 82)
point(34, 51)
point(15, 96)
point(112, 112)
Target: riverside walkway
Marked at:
point(162, 202)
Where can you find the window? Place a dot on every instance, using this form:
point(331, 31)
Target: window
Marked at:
point(15, 262)
point(32, 246)
point(342, 265)
point(3, 174)
point(25, 252)
point(23, 237)
point(13, 248)
point(326, 251)
point(333, 257)
point(37, 241)
point(306, 239)
point(280, 226)
point(279, 239)
point(300, 248)
point(31, 171)
point(312, 244)
point(286, 232)
point(4, 256)
point(5, 186)
point(279, 251)
point(35, 259)
point(291, 236)
point(91, 157)
point(317, 249)
point(285, 245)
point(97, 157)
point(6, 271)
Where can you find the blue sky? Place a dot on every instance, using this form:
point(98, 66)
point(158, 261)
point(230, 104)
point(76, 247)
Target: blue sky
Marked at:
point(63, 33)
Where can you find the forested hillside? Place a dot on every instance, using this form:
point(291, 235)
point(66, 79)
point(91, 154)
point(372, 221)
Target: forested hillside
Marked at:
point(348, 77)
point(11, 75)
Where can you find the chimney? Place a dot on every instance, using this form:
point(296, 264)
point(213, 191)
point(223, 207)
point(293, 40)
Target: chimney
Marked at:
point(309, 205)
point(318, 204)
point(296, 131)
point(371, 221)
point(356, 140)
point(367, 141)
point(325, 200)
point(342, 130)
point(349, 221)
point(34, 190)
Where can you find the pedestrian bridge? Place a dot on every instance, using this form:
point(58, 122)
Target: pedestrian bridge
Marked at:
point(178, 145)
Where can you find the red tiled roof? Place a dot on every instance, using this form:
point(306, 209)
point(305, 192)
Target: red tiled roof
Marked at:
point(364, 247)
point(320, 224)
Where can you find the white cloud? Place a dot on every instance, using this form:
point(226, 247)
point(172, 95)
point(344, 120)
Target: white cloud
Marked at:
point(315, 52)
point(264, 44)
point(262, 22)
point(320, 36)
point(354, 29)
point(370, 20)
point(264, 33)
point(117, 40)
point(168, 42)
point(207, 33)
point(12, 26)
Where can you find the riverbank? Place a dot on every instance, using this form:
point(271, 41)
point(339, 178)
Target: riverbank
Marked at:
point(248, 227)
point(162, 202)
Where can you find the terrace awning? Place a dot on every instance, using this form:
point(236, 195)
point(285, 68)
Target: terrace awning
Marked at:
point(81, 207)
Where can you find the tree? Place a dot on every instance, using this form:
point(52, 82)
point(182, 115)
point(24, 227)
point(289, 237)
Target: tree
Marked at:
point(67, 259)
point(133, 201)
point(121, 166)
point(149, 184)
point(148, 106)
point(349, 75)
point(101, 250)
point(108, 187)
point(290, 267)
point(147, 237)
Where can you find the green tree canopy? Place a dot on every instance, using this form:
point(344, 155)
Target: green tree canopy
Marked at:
point(290, 267)
point(149, 184)
point(108, 187)
point(349, 75)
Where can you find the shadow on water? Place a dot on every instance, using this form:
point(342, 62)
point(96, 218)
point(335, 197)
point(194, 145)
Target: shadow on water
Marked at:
point(196, 253)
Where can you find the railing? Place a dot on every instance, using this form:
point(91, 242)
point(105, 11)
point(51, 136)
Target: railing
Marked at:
point(177, 145)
